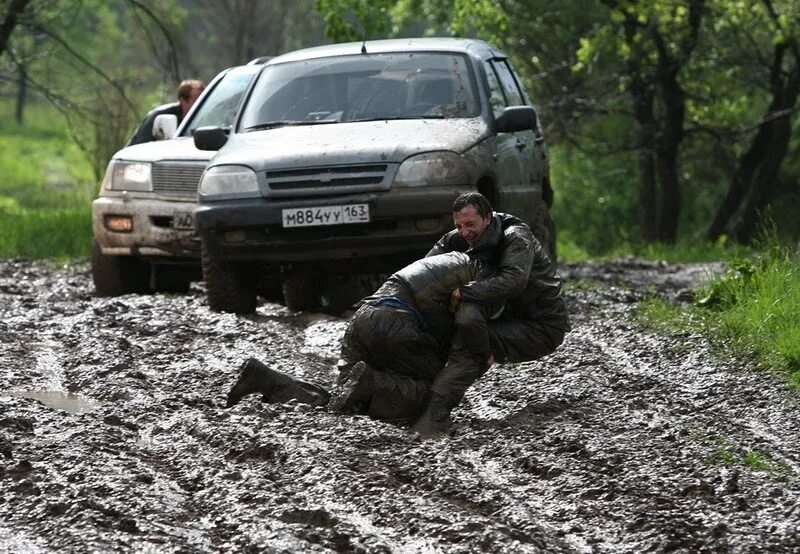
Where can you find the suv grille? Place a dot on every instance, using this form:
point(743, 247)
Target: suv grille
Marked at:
point(330, 180)
point(177, 178)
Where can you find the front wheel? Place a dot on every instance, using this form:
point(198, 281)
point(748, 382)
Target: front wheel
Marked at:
point(228, 288)
point(118, 275)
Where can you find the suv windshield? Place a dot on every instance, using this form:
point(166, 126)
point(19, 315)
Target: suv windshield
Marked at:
point(361, 88)
point(219, 107)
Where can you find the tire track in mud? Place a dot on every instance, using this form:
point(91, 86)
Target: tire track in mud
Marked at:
point(611, 444)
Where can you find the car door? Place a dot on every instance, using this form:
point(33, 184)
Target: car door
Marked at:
point(517, 182)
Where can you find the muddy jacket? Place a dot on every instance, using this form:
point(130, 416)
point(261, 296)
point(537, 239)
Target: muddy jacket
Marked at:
point(405, 327)
point(525, 276)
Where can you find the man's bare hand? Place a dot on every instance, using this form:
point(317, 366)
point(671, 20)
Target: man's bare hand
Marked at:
point(455, 300)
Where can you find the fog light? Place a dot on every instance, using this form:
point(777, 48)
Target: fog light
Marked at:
point(427, 224)
point(119, 223)
point(235, 236)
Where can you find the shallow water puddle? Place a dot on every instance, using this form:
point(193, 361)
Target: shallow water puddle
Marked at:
point(66, 401)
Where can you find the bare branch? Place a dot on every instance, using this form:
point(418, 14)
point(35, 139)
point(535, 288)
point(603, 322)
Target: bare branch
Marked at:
point(78, 56)
point(167, 35)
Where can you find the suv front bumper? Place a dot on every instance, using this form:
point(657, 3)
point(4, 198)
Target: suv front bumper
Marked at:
point(403, 224)
point(160, 227)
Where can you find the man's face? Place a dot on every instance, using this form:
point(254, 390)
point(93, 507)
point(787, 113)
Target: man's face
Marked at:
point(186, 103)
point(470, 225)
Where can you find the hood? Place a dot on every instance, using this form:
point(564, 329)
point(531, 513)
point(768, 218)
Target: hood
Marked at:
point(181, 148)
point(346, 143)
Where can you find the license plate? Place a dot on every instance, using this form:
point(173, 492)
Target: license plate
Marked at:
point(183, 220)
point(325, 215)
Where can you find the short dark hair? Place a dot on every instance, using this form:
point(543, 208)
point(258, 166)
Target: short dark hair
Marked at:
point(476, 200)
point(187, 86)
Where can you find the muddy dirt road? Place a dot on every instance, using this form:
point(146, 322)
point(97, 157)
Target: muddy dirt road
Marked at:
point(113, 437)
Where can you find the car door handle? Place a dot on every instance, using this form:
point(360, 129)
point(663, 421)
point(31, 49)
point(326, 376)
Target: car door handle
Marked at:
point(521, 144)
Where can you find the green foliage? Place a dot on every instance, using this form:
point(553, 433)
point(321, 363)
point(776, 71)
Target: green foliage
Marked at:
point(47, 188)
point(751, 309)
point(62, 234)
point(353, 20)
point(595, 204)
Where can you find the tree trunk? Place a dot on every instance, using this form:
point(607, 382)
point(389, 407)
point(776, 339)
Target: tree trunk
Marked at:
point(763, 188)
point(740, 183)
point(755, 178)
point(22, 94)
point(643, 110)
point(10, 20)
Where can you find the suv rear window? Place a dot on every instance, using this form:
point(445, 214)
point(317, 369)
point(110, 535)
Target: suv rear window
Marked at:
point(363, 87)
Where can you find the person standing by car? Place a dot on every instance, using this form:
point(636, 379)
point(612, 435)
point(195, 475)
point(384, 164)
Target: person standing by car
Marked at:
point(188, 92)
point(534, 319)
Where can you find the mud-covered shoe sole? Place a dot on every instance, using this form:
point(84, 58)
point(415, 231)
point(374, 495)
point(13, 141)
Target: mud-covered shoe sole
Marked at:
point(247, 383)
point(355, 391)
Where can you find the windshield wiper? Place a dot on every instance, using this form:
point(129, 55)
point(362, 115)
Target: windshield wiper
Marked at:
point(396, 117)
point(275, 124)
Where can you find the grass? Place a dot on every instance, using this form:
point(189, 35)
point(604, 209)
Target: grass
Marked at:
point(730, 454)
point(752, 310)
point(46, 190)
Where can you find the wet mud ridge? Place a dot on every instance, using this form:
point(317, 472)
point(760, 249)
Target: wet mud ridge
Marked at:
point(113, 435)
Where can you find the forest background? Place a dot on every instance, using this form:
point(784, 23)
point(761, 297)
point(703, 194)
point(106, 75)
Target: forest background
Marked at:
point(668, 121)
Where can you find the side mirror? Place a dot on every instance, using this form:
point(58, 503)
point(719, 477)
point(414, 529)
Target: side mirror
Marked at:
point(516, 118)
point(164, 126)
point(210, 138)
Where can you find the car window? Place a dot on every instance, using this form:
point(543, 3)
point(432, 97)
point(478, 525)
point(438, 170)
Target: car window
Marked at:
point(363, 87)
point(496, 97)
point(509, 84)
point(220, 106)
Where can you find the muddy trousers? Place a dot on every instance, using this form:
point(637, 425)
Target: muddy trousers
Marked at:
point(403, 359)
point(508, 339)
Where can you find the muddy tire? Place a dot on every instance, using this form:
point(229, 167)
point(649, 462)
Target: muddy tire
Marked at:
point(545, 232)
point(300, 291)
point(550, 241)
point(227, 288)
point(118, 275)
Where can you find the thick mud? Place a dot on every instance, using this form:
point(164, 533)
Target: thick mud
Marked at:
point(113, 436)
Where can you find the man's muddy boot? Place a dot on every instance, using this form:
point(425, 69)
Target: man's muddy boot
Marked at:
point(435, 420)
point(354, 393)
point(274, 386)
point(253, 377)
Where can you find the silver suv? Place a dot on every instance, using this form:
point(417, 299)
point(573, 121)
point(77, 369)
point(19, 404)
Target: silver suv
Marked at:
point(143, 221)
point(347, 158)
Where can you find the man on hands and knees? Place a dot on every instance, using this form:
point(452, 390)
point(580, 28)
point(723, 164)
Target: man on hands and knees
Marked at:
point(531, 325)
point(393, 348)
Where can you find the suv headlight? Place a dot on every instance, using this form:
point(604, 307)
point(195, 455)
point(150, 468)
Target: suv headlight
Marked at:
point(433, 168)
point(133, 176)
point(230, 181)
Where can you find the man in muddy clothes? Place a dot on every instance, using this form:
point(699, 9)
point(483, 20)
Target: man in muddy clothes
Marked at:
point(532, 323)
point(393, 347)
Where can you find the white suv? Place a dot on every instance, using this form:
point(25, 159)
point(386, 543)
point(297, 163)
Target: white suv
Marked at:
point(143, 224)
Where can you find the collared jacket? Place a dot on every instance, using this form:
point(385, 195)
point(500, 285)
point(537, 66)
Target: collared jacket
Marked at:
point(145, 131)
point(525, 278)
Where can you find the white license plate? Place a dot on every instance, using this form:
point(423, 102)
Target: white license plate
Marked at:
point(325, 215)
point(183, 220)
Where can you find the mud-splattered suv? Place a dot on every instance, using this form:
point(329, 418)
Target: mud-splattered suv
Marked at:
point(347, 158)
point(143, 224)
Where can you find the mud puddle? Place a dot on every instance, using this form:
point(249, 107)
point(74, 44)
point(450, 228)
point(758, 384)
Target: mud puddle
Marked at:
point(621, 441)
